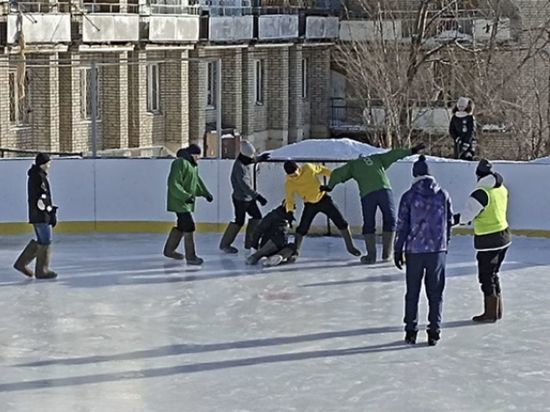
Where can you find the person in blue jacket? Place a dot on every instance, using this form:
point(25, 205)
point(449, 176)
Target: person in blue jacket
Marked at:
point(424, 224)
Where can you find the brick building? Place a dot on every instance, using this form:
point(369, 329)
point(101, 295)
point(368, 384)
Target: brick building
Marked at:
point(159, 65)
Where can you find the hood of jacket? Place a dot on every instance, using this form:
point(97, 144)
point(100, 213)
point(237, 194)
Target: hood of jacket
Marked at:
point(186, 156)
point(425, 186)
point(245, 160)
point(493, 181)
point(35, 170)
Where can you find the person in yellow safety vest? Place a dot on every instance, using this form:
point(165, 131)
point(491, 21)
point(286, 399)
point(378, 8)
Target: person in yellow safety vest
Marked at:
point(486, 208)
point(304, 182)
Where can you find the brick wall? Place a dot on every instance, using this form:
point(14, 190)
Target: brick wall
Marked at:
point(319, 78)
point(175, 96)
point(295, 100)
point(115, 101)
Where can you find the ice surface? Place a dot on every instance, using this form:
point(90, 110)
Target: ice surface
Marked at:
point(124, 329)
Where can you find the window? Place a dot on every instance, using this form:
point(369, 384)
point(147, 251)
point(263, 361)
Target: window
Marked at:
point(153, 88)
point(304, 79)
point(86, 94)
point(212, 85)
point(259, 81)
point(19, 101)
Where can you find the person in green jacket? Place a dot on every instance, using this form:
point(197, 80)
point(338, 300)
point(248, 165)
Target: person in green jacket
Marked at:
point(374, 186)
point(184, 186)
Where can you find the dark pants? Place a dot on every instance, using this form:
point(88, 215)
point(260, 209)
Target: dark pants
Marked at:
point(43, 233)
point(382, 199)
point(431, 267)
point(488, 265)
point(185, 222)
point(243, 207)
point(325, 206)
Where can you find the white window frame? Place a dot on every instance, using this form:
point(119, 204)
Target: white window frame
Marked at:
point(153, 88)
point(19, 105)
point(259, 81)
point(305, 88)
point(211, 84)
point(86, 95)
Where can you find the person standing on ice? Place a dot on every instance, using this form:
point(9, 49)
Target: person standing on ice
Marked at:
point(43, 217)
point(270, 238)
point(245, 198)
point(374, 186)
point(184, 186)
point(304, 182)
point(424, 226)
point(463, 128)
point(487, 207)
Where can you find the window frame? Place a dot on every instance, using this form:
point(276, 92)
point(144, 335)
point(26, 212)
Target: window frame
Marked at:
point(86, 95)
point(153, 88)
point(259, 82)
point(19, 108)
point(211, 84)
point(305, 88)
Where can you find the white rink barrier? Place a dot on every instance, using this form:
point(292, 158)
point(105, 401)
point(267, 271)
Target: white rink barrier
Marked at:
point(130, 194)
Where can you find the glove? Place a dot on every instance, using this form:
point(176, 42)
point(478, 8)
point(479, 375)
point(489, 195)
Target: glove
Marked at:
point(209, 198)
point(261, 199)
point(419, 147)
point(398, 260)
point(325, 188)
point(53, 216)
point(456, 219)
point(263, 157)
point(190, 201)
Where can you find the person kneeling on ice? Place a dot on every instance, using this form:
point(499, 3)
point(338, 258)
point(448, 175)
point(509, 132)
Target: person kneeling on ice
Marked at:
point(423, 232)
point(184, 185)
point(270, 238)
point(487, 207)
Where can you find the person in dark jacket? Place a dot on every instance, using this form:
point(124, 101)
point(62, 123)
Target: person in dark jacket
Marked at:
point(43, 216)
point(245, 198)
point(270, 238)
point(487, 208)
point(423, 233)
point(184, 186)
point(463, 128)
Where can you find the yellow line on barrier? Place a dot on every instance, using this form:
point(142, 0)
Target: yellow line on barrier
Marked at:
point(19, 228)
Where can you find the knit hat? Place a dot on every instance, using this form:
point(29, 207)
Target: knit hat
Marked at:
point(192, 149)
point(462, 103)
point(484, 168)
point(247, 149)
point(290, 167)
point(420, 167)
point(41, 159)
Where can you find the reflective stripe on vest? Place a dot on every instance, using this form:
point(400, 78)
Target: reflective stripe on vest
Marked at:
point(493, 218)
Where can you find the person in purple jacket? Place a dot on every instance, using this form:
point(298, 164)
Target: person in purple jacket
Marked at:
point(424, 226)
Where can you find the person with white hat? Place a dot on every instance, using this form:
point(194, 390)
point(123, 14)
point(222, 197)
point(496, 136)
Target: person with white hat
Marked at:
point(463, 128)
point(245, 198)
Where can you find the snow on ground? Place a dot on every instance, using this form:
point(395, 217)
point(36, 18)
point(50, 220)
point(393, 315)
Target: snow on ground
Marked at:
point(124, 329)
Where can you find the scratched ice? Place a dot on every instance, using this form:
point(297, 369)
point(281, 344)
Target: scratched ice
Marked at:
point(124, 329)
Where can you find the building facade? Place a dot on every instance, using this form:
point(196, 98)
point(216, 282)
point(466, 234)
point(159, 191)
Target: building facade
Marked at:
point(163, 73)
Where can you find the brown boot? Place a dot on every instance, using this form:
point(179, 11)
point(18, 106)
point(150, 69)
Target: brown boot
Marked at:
point(370, 242)
point(228, 237)
point(499, 310)
point(490, 314)
point(189, 246)
point(43, 257)
point(26, 257)
point(346, 234)
point(249, 235)
point(172, 243)
point(387, 246)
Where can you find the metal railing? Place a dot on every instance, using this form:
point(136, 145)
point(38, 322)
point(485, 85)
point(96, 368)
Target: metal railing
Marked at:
point(91, 6)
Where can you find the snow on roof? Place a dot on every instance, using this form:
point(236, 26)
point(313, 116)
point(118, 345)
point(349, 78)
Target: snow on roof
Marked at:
point(334, 150)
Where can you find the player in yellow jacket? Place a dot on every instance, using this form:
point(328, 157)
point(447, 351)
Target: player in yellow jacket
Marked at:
point(304, 182)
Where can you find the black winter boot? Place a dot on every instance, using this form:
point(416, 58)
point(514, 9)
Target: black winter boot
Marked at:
point(228, 237)
point(43, 257)
point(172, 243)
point(26, 257)
point(410, 337)
point(433, 337)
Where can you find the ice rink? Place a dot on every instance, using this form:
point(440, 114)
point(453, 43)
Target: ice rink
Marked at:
point(125, 329)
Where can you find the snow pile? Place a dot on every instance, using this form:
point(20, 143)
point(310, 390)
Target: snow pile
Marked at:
point(325, 149)
point(541, 160)
point(334, 150)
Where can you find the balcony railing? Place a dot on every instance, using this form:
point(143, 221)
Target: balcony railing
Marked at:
point(92, 6)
